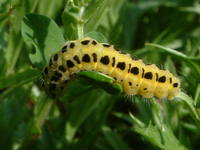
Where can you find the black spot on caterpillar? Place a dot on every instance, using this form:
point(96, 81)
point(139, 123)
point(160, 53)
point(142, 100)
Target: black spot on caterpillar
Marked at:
point(86, 58)
point(105, 60)
point(134, 76)
point(70, 64)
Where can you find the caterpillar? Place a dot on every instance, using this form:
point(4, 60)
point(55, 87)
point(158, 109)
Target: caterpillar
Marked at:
point(135, 77)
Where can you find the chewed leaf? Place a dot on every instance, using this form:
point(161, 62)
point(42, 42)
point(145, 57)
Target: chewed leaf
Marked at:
point(88, 80)
point(100, 77)
point(105, 82)
point(44, 34)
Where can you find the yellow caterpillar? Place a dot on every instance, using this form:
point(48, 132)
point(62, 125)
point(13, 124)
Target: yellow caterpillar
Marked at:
point(87, 54)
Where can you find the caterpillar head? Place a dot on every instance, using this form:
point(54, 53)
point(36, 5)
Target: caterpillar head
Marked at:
point(167, 85)
point(134, 77)
point(131, 85)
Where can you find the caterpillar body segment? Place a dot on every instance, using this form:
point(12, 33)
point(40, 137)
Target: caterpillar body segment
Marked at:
point(72, 64)
point(163, 87)
point(133, 80)
point(147, 88)
point(87, 54)
point(174, 89)
point(120, 70)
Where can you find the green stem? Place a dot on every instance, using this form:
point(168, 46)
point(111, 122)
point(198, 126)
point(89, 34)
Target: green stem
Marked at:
point(43, 114)
point(197, 95)
point(35, 3)
point(80, 30)
point(137, 121)
point(80, 24)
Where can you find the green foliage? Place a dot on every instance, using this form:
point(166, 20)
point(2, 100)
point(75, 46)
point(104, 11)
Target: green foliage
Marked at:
point(46, 37)
point(93, 113)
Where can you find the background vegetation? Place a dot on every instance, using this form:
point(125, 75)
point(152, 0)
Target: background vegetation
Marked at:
point(88, 117)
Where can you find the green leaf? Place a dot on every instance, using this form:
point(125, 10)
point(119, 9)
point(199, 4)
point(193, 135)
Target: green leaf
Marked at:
point(86, 104)
point(19, 78)
point(170, 51)
point(91, 115)
point(164, 139)
point(192, 61)
point(92, 8)
point(13, 112)
point(86, 80)
point(96, 76)
point(159, 136)
point(190, 103)
point(114, 140)
point(103, 81)
point(94, 14)
point(97, 36)
point(44, 34)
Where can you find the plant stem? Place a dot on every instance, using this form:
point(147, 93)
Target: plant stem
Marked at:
point(80, 30)
point(80, 24)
